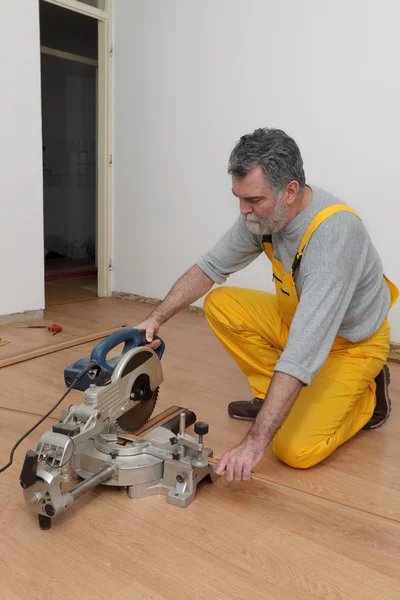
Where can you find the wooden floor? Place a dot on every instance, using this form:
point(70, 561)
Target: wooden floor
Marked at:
point(332, 532)
point(75, 289)
point(77, 320)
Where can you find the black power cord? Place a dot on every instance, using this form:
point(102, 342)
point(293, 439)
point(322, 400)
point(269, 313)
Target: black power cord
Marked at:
point(89, 367)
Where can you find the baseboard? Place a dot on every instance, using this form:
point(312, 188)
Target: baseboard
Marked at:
point(394, 354)
point(21, 316)
point(152, 301)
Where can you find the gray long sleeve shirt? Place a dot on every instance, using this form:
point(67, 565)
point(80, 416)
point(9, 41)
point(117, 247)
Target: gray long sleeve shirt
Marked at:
point(339, 282)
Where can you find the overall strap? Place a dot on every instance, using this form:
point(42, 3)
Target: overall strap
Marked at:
point(267, 243)
point(315, 223)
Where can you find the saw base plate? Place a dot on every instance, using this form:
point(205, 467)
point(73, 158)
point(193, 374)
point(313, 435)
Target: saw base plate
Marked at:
point(146, 467)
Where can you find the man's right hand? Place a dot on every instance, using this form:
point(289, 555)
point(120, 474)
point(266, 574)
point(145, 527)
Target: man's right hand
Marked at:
point(151, 327)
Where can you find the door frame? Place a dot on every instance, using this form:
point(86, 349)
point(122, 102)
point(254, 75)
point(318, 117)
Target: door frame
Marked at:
point(104, 138)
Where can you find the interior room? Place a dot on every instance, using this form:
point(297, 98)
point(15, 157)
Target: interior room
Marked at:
point(199, 318)
point(68, 42)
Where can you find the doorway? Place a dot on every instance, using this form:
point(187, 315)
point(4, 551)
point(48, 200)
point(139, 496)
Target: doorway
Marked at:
point(74, 197)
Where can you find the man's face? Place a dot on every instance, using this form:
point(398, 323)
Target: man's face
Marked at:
point(264, 213)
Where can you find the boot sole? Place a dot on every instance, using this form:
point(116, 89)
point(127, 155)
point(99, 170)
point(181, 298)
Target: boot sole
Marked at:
point(249, 419)
point(386, 379)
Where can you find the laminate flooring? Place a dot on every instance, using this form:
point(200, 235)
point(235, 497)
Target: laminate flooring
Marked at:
point(331, 532)
point(233, 541)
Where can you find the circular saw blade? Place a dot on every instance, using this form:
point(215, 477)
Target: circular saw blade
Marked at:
point(137, 416)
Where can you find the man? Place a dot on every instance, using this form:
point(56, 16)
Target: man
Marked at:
point(315, 352)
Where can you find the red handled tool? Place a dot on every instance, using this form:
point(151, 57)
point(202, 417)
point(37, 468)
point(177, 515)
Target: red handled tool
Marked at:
point(53, 328)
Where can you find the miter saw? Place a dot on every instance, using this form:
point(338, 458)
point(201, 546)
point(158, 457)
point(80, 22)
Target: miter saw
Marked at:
point(120, 395)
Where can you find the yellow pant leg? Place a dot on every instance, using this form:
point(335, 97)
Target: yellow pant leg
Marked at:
point(336, 406)
point(249, 326)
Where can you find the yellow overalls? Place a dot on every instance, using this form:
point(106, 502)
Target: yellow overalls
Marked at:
point(253, 327)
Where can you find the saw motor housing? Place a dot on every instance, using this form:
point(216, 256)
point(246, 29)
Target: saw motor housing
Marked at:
point(131, 338)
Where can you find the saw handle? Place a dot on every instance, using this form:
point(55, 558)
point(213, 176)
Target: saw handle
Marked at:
point(133, 338)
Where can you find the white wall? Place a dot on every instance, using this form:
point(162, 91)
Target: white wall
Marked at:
point(21, 213)
point(192, 77)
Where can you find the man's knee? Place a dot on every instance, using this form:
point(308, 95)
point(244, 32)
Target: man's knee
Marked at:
point(216, 300)
point(295, 453)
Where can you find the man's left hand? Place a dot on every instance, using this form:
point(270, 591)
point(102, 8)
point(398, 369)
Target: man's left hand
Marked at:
point(237, 464)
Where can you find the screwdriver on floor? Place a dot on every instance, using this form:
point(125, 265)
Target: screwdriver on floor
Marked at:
point(53, 328)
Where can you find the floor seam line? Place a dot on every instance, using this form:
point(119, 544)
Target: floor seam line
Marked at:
point(342, 504)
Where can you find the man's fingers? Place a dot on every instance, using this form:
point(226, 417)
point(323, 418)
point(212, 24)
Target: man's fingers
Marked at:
point(238, 469)
point(220, 466)
point(234, 467)
point(150, 331)
point(230, 468)
point(149, 334)
point(154, 344)
point(246, 476)
point(150, 328)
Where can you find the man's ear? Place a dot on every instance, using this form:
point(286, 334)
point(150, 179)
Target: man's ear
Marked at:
point(292, 190)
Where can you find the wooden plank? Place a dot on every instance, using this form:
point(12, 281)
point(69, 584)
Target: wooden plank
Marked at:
point(42, 350)
point(157, 421)
point(77, 320)
point(234, 541)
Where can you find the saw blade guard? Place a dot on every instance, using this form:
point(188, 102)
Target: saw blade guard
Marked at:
point(132, 338)
point(138, 377)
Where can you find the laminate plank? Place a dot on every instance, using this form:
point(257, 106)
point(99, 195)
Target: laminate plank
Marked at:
point(155, 422)
point(77, 320)
point(233, 542)
point(45, 349)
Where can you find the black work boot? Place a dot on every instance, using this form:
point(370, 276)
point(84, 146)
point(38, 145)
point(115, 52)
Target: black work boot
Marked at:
point(383, 403)
point(245, 410)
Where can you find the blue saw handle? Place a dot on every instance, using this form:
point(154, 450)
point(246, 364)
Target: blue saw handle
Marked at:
point(133, 338)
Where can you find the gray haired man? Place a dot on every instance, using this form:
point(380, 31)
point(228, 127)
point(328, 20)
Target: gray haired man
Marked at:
point(315, 351)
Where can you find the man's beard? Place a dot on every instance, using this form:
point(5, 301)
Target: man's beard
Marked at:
point(277, 221)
